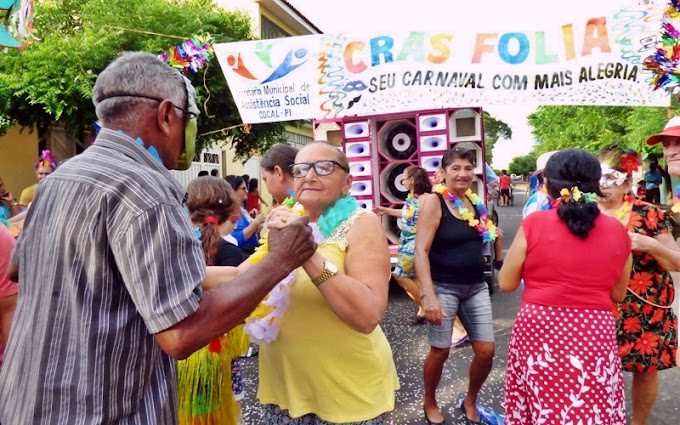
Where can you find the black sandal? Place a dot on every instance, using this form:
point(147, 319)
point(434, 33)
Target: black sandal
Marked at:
point(469, 421)
point(429, 422)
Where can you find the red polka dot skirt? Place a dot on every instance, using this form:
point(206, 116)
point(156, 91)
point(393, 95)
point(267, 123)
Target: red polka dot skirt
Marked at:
point(563, 368)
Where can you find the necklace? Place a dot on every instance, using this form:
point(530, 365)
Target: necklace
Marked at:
point(622, 212)
point(485, 227)
point(263, 323)
point(409, 208)
point(676, 200)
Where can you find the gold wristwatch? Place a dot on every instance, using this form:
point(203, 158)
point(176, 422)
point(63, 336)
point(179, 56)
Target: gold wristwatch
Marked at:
point(329, 270)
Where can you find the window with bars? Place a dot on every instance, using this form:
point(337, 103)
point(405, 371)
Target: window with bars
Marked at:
point(297, 140)
point(268, 29)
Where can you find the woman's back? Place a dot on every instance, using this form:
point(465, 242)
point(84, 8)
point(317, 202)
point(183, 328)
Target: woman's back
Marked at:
point(562, 270)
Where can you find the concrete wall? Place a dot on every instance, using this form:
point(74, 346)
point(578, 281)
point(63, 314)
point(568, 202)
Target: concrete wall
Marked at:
point(18, 154)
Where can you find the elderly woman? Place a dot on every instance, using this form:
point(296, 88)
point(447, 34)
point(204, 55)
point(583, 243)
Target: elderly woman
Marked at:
point(452, 228)
point(646, 325)
point(419, 185)
point(276, 172)
point(562, 363)
point(331, 362)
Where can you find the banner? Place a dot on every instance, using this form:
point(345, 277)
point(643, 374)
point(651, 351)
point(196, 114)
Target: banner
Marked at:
point(593, 61)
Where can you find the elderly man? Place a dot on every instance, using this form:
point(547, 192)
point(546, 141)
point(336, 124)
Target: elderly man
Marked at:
point(111, 272)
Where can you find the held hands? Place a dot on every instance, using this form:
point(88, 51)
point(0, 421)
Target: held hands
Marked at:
point(433, 309)
point(292, 242)
point(280, 217)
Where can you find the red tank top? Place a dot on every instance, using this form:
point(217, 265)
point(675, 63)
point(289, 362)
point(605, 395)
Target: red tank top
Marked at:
point(562, 270)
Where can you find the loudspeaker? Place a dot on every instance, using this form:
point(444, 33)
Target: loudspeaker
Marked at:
point(391, 228)
point(366, 204)
point(356, 130)
point(397, 140)
point(360, 168)
point(361, 188)
point(329, 131)
point(465, 125)
point(358, 149)
point(432, 122)
point(431, 163)
point(433, 143)
point(390, 182)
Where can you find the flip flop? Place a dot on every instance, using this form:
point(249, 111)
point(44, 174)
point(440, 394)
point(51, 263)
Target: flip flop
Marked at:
point(469, 421)
point(460, 342)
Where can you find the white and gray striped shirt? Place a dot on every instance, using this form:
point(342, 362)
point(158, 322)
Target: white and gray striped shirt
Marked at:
point(107, 258)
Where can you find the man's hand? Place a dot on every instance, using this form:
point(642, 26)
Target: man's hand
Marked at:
point(293, 244)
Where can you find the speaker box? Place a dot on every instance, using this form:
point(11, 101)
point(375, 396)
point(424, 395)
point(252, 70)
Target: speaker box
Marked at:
point(397, 140)
point(392, 228)
point(360, 168)
point(465, 125)
point(361, 188)
point(356, 130)
point(366, 204)
point(436, 122)
point(329, 131)
point(390, 181)
point(431, 163)
point(434, 143)
point(358, 150)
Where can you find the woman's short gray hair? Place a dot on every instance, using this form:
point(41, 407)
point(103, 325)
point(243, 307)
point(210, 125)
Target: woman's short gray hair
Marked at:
point(135, 74)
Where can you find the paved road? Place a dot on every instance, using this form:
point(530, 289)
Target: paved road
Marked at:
point(409, 345)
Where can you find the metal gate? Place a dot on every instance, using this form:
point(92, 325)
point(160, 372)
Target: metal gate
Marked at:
point(208, 160)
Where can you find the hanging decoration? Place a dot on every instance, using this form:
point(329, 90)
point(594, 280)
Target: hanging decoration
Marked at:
point(665, 61)
point(191, 55)
point(16, 23)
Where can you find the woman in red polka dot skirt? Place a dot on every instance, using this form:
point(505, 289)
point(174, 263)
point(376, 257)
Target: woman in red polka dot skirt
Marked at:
point(646, 325)
point(563, 365)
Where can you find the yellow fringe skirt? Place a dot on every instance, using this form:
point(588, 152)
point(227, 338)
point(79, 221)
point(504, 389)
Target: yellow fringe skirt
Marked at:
point(204, 382)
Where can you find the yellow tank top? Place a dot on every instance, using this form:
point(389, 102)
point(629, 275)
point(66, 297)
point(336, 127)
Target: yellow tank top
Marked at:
point(320, 365)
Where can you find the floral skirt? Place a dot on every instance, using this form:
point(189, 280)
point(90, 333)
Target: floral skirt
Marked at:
point(563, 367)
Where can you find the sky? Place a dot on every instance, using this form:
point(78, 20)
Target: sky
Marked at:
point(362, 17)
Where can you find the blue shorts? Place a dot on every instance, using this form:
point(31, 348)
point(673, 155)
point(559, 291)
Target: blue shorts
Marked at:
point(472, 303)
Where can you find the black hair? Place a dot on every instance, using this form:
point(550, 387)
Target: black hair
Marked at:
point(279, 155)
point(202, 173)
point(252, 185)
point(458, 153)
point(575, 168)
point(234, 181)
point(214, 172)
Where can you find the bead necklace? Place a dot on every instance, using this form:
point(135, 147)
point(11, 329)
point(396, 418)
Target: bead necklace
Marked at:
point(485, 227)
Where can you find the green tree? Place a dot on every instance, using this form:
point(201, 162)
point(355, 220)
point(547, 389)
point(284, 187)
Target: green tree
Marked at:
point(494, 130)
point(522, 164)
point(50, 82)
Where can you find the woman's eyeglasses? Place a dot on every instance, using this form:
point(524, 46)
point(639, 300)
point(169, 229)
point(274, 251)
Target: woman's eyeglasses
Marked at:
point(321, 168)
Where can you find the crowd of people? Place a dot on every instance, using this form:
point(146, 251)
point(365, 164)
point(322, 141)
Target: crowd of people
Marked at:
point(146, 297)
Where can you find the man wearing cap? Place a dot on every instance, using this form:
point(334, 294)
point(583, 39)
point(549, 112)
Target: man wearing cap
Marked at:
point(670, 137)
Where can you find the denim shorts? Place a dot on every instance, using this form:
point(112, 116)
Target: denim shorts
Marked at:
point(472, 304)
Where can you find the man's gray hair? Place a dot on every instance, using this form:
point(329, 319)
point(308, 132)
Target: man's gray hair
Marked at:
point(135, 74)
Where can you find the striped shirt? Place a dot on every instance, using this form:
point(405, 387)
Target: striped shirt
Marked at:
point(107, 259)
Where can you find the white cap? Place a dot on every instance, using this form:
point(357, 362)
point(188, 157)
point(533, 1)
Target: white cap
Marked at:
point(542, 160)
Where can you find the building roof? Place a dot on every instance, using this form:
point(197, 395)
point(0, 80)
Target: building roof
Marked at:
point(303, 17)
